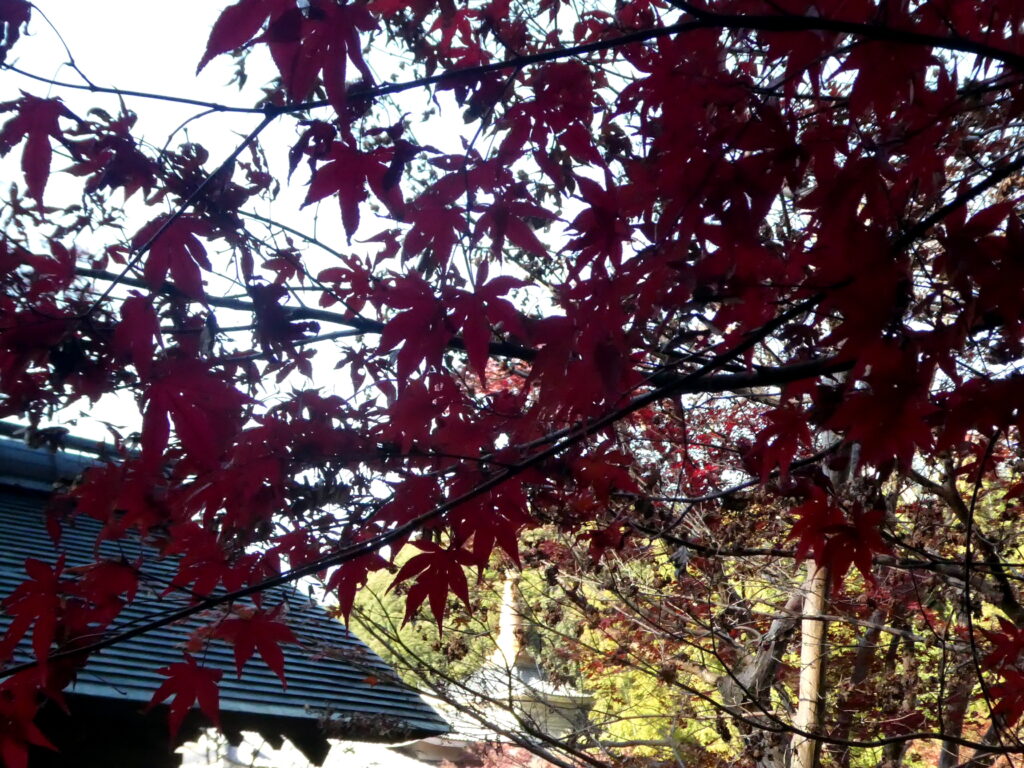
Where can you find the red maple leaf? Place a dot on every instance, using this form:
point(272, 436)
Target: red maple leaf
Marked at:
point(349, 173)
point(36, 605)
point(14, 14)
point(437, 571)
point(111, 157)
point(176, 248)
point(436, 225)
point(507, 220)
point(1008, 644)
point(319, 39)
point(352, 283)
point(37, 120)
point(238, 24)
point(476, 312)
point(777, 443)
point(135, 336)
point(602, 228)
point(275, 330)
point(836, 540)
point(348, 578)
point(188, 684)
point(410, 417)
point(102, 585)
point(205, 565)
point(420, 326)
point(254, 630)
point(204, 408)
point(19, 703)
point(896, 395)
point(495, 518)
point(1009, 696)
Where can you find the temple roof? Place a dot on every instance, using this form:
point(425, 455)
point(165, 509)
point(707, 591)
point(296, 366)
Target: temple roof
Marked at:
point(336, 685)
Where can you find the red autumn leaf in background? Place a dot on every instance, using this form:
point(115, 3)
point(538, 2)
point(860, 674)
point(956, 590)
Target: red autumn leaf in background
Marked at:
point(1008, 645)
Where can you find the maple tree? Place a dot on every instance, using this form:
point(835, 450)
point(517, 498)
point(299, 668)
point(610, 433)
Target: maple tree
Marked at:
point(674, 251)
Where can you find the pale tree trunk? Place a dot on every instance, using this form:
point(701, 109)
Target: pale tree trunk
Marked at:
point(812, 661)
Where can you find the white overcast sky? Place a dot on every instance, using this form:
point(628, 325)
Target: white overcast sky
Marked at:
point(155, 47)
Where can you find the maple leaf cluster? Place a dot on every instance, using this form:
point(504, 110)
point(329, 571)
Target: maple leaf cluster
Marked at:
point(655, 254)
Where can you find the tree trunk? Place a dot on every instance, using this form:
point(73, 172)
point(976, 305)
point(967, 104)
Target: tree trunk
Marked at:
point(861, 666)
point(954, 710)
point(812, 659)
point(748, 689)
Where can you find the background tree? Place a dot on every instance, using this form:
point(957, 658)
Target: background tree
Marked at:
point(736, 276)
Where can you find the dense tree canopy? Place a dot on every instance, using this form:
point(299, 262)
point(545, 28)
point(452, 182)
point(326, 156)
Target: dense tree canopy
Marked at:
point(738, 280)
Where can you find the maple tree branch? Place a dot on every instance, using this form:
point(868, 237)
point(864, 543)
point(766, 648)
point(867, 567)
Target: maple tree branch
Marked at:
point(878, 32)
point(996, 727)
point(941, 566)
point(1009, 603)
point(368, 546)
point(703, 19)
point(271, 223)
point(740, 383)
point(732, 382)
point(127, 92)
point(356, 323)
point(921, 228)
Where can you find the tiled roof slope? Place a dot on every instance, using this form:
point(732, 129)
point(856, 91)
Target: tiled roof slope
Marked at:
point(331, 675)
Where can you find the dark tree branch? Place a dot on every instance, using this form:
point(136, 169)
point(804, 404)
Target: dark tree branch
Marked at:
point(702, 20)
point(1008, 604)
